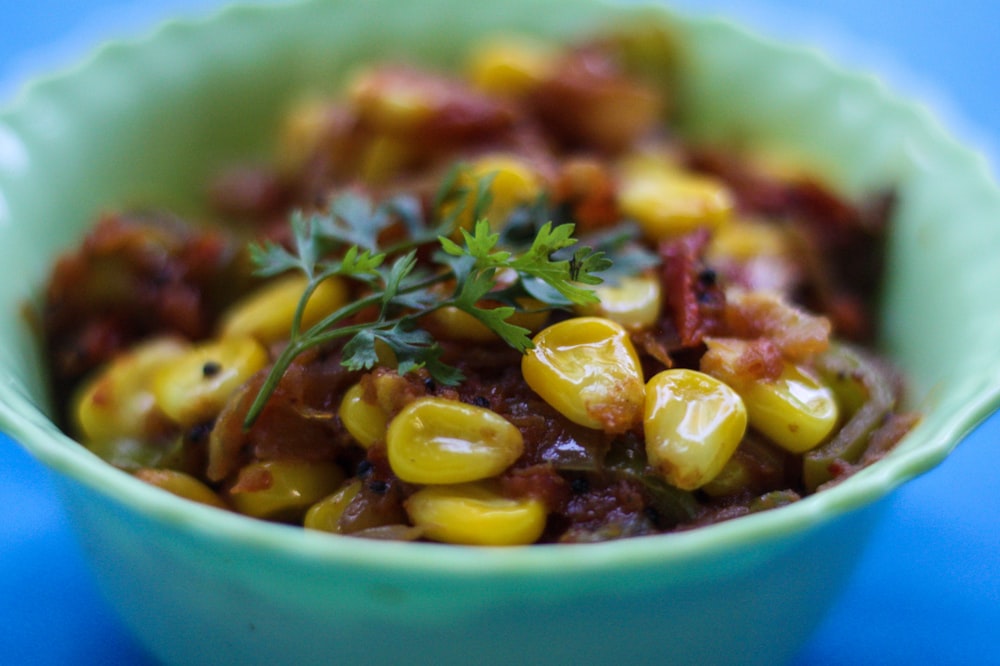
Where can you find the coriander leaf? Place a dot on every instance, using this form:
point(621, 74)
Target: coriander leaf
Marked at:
point(496, 318)
point(353, 220)
point(272, 259)
point(359, 353)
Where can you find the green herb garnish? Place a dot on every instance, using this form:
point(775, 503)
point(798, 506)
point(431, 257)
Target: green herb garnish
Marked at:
point(462, 272)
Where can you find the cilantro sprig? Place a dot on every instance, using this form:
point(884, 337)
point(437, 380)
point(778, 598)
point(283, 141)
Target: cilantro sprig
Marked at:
point(464, 270)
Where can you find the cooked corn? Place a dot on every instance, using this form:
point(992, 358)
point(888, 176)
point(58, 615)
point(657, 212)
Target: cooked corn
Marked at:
point(283, 489)
point(475, 514)
point(587, 369)
point(509, 67)
point(391, 104)
point(797, 410)
point(325, 514)
point(118, 402)
point(195, 386)
point(455, 324)
point(668, 203)
point(693, 423)
point(441, 441)
point(303, 127)
point(512, 183)
point(267, 313)
point(634, 302)
point(384, 158)
point(367, 422)
point(744, 240)
point(182, 485)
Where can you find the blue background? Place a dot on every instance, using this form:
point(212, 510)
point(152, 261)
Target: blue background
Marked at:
point(928, 589)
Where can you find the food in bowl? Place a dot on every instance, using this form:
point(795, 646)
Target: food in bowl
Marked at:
point(503, 309)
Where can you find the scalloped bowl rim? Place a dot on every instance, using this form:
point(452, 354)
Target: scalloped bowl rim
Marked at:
point(26, 423)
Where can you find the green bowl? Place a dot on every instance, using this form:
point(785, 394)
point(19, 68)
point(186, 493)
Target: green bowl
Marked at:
point(147, 121)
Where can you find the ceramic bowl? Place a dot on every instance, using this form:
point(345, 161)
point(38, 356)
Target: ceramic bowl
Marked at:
point(146, 121)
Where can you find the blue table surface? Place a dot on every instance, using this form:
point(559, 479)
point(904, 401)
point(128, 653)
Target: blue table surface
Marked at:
point(927, 590)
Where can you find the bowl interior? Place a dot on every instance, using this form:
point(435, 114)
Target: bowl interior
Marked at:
point(146, 122)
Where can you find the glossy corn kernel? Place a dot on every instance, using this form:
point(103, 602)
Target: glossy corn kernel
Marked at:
point(391, 103)
point(301, 130)
point(667, 203)
point(366, 421)
point(797, 411)
point(475, 515)
point(384, 158)
point(196, 386)
point(118, 403)
point(587, 369)
point(693, 423)
point(441, 441)
point(745, 240)
point(788, 402)
point(182, 485)
point(634, 302)
point(283, 489)
point(509, 67)
point(325, 514)
point(453, 324)
point(267, 313)
point(511, 183)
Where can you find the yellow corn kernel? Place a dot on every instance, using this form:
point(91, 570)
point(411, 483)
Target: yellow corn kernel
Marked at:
point(587, 369)
point(436, 440)
point(118, 403)
point(634, 302)
point(693, 423)
point(667, 203)
point(512, 183)
point(389, 103)
point(454, 324)
point(745, 240)
point(196, 386)
point(325, 514)
point(384, 157)
point(302, 128)
point(476, 515)
point(367, 422)
point(283, 489)
point(267, 313)
point(182, 485)
point(509, 66)
point(797, 411)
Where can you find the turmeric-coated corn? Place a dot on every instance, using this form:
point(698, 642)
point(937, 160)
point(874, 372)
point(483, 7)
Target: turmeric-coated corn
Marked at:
point(366, 421)
point(283, 489)
point(634, 302)
point(693, 424)
point(325, 514)
point(267, 313)
point(587, 369)
point(509, 67)
point(439, 441)
point(668, 203)
point(195, 386)
point(475, 514)
point(181, 484)
point(118, 403)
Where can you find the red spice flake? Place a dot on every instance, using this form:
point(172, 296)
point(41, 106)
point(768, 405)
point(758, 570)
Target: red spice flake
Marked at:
point(541, 482)
point(690, 292)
